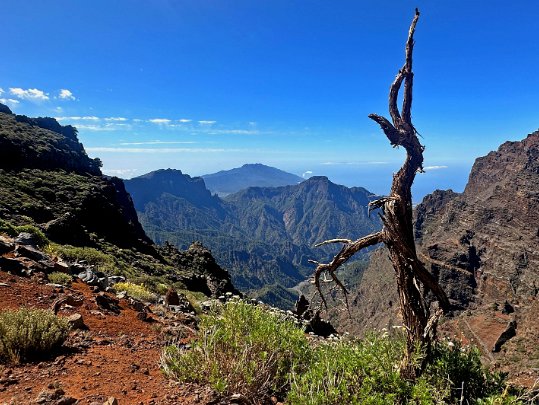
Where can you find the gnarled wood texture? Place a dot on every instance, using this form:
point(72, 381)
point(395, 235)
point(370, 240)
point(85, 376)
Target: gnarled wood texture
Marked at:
point(397, 234)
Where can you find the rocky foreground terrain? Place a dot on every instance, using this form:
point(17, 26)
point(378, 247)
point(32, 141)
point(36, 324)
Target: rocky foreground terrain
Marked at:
point(113, 351)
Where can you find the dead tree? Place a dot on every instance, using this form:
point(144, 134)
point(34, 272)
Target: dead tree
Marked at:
point(397, 233)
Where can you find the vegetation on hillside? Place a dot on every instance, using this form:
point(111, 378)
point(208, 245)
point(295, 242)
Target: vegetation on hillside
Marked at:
point(245, 349)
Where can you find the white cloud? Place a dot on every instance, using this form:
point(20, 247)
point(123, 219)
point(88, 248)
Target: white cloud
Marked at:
point(160, 121)
point(119, 119)
point(66, 94)
point(162, 150)
point(9, 101)
point(234, 131)
point(77, 118)
point(29, 94)
point(307, 174)
point(374, 162)
point(137, 120)
point(1, 91)
point(120, 172)
point(205, 122)
point(184, 120)
point(98, 128)
point(435, 167)
point(158, 143)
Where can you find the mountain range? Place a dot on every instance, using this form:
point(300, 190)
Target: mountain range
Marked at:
point(262, 235)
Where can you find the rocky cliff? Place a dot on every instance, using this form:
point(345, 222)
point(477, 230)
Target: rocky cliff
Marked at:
point(482, 245)
point(49, 184)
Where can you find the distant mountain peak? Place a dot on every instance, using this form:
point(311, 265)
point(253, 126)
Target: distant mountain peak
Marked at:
point(231, 181)
point(318, 179)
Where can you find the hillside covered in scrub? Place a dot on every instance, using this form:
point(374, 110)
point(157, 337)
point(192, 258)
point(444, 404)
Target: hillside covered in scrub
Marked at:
point(49, 183)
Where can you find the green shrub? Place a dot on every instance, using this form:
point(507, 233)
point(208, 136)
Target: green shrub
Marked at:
point(243, 349)
point(26, 334)
point(40, 237)
point(453, 365)
point(60, 278)
point(7, 228)
point(161, 288)
point(353, 372)
point(12, 230)
point(246, 350)
point(102, 261)
point(136, 291)
point(367, 372)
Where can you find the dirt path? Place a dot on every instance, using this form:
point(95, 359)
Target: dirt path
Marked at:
point(118, 355)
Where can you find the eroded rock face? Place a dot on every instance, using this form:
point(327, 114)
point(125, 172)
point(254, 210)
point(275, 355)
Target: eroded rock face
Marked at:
point(483, 247)
point(490, 232)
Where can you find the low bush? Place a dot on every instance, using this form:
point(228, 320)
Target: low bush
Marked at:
point(242, 349)
point(60, 278)
point(455, 368)
point(102, 261)
point(367, 372)
point(353, 372)
point(13, 230)
point(38, 234)
point(27, 334)
point(136, 291)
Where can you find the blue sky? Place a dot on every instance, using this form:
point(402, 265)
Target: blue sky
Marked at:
point(204, 85)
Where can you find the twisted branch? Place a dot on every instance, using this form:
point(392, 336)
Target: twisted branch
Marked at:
point(347, 251)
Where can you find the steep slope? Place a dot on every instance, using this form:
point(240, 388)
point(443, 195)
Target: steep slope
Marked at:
point(263, 235)
point(249, 175)
point(48, 182)
point(482, 245)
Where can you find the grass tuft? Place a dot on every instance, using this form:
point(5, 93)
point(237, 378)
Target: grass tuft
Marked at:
point(60, 278)
point(136, 291)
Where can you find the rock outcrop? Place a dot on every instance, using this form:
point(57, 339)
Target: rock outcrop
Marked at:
point(50, 188)
point(482, 245)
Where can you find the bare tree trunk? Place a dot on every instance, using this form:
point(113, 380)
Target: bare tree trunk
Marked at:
point(397, 233)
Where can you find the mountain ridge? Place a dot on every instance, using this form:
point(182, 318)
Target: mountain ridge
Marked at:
point(263, 235)
point(481, 245)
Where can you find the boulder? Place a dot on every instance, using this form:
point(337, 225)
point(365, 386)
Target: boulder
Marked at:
point(32, 253)
point(6, 245)
point(509, 332)
point(90, 277)
point(107, 302)
point(301, 305)
point(76, 321)
point(25, 238)
point(171, 297)
point(62, 267)
point(115, 279)
point(14, 266)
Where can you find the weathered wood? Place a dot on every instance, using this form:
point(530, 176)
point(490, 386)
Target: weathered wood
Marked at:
point(397, 233)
